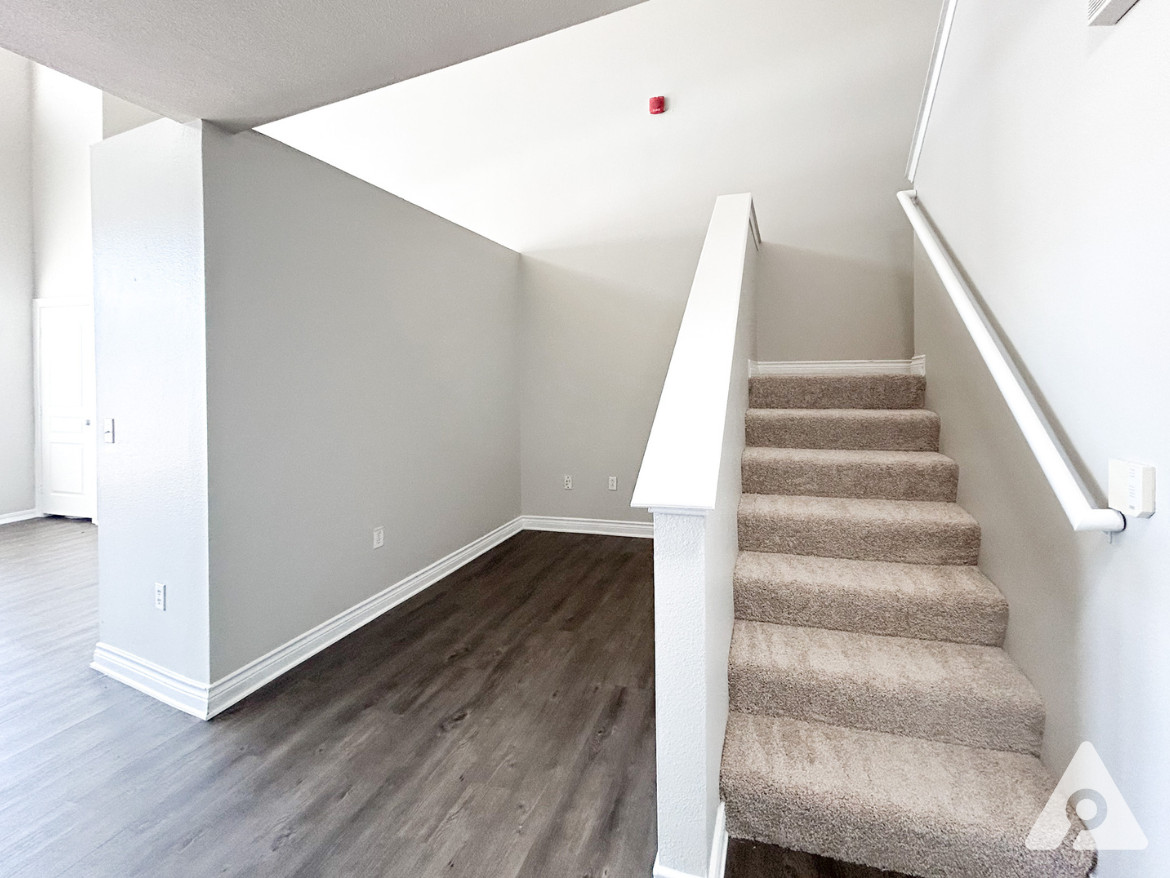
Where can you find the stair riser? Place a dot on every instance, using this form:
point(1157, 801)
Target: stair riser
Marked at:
point(909, 481)
point(837, 392)
point(902, 804)
point(837, 433)
point(911, 542)
point(971, 721)
point(850, 837)
point(793, 603)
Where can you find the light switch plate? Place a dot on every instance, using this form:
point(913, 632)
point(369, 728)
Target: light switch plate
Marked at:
point(1131, 488)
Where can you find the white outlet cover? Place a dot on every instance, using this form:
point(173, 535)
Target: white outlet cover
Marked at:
point(1131, 488)
point(613, 483)
point(160, 596)
point(379, 537)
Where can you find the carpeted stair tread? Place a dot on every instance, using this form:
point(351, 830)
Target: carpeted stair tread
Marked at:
point(952, 692)
point(836, 392)
point(932, 602)
point(904, 804)
point(879, 429)
point(910, 531)
point(820, 472)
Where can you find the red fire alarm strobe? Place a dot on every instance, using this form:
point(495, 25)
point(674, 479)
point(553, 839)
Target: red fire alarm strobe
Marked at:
point(657, 105)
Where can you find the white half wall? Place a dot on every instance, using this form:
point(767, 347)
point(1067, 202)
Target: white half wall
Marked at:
point(362, 372)
point(695, 549)
point(1045, 170)
point(17, 489)
point(549, 148)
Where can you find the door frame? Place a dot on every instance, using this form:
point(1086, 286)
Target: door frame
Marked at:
point(91, 380)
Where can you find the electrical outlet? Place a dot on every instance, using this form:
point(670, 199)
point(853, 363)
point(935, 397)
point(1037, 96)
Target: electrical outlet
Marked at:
point(613, 483)
point(160, 596)
point(379, 537)
point(568, 483)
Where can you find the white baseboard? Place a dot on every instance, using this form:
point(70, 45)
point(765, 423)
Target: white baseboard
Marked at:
point(189, 696)
point(718, 865)
point(13, 517)
point(205, 701)
point(243, 682)
point(599, 526)
point(914, 366)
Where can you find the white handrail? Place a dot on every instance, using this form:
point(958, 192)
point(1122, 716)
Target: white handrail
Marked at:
point(680, 469)
point(1074, 497)
point(946, 23)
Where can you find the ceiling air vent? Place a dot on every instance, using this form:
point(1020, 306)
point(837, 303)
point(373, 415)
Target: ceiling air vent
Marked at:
point(1103, 12)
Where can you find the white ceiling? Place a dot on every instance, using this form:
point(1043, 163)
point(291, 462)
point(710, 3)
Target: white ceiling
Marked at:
point(245, 62)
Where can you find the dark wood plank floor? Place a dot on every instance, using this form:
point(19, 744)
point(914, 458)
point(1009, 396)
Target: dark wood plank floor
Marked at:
point(499, 724)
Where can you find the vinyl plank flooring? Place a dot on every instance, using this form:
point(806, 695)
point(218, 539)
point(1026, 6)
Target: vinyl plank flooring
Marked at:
point(501, 723)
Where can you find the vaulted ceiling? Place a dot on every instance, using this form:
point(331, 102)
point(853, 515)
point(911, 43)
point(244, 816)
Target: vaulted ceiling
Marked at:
point(245, 62)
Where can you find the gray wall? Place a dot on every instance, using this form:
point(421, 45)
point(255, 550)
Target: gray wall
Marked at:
point(293, 357)
point(17, 491)
point(597, 338)
point(1045, 169)
point(151, 378)
point(362, 371)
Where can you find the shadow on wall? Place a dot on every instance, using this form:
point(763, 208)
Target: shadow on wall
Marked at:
point(819, 306)
point(599, 326)
point(1082, 616)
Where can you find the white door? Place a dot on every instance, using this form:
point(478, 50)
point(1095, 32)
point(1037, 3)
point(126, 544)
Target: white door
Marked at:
point(66, 429)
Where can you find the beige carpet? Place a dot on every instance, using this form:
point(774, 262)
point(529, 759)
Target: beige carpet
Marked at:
point(888, 430)
point(932, 602)
point(893, 475)
point(875, 717)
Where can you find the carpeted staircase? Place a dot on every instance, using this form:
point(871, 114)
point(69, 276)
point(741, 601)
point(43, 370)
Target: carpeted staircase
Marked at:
point(874, 717)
